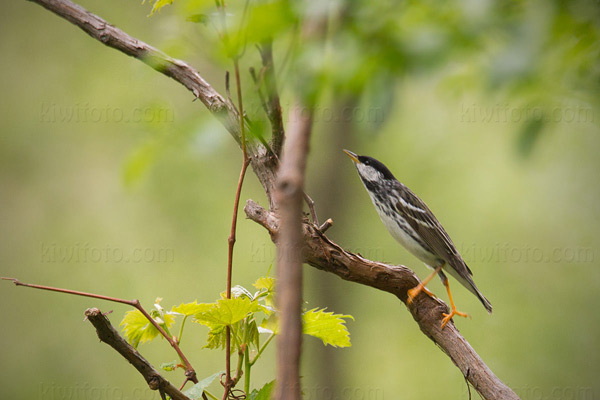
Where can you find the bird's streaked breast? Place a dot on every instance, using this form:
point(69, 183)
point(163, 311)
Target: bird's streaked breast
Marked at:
point(400, 229)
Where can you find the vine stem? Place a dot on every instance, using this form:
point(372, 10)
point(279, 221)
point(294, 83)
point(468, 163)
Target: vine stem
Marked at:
point(247, 367)
point(190, 373)
point(260, 351)
point(232, 236)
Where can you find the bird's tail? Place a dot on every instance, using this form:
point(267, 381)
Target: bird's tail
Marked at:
point(467, 282)
point(486, 303)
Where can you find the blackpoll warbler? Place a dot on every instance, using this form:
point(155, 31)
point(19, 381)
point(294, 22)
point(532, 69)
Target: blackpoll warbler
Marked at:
point(411, 222)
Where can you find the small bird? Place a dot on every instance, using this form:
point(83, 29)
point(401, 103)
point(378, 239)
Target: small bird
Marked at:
point(411, 222)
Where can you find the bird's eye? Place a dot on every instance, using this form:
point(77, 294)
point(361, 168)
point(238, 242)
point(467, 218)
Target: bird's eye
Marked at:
point(367, 162)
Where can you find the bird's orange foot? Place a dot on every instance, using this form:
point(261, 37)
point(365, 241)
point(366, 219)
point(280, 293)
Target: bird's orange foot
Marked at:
point(414, 292)
point(448, 317)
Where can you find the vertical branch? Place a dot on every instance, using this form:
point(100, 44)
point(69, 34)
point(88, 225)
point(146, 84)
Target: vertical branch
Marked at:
point(289, 195)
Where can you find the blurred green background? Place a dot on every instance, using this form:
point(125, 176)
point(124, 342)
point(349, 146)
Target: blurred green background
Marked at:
point(488, 110)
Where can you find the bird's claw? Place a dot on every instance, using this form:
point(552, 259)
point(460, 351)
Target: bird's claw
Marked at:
point(448, 317)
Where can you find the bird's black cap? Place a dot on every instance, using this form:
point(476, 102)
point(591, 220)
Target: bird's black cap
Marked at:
point(370, 161)
point(378, 165)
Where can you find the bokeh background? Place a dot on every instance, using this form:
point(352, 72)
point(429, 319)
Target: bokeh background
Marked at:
point(488, 110)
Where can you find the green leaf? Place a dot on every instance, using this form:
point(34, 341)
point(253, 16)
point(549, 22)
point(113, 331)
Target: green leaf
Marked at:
point(264, 393)
point(198, 18)
point(271, 324)
point(158, 4)
point(138, 329)
point(266, 289)
point(195, 392)
point(216, 337)
point(327, 326)
point(191, 308)
point(223, 313)
point(170, 366)
point(265, 282)
point(227, 311)
point(253, 335)
point(269, 19)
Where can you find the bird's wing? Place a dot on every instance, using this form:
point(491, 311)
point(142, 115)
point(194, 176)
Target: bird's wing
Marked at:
point(422, 220)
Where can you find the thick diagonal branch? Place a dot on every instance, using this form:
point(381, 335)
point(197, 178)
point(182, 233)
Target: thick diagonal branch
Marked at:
point(325, 255)
point(108, 334)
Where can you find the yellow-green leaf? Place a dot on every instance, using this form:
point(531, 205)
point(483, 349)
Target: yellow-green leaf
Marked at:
point(271, 324)
point(327, 326)
point(170, 366)
point(227, 311)
point(158, 4)
point(191, 308)
point(138, 329)
point(216, 337)
point(266, 289)
point(265, 282)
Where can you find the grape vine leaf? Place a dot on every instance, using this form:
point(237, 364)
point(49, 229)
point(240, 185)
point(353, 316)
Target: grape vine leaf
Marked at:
point(264, 393)
point(227, 311)
point(192, 308)
point(138, 329)
point(327, 326)
point(195, 392)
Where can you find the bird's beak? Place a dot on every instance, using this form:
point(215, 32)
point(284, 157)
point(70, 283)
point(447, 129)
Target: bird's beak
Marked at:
point(352, 155)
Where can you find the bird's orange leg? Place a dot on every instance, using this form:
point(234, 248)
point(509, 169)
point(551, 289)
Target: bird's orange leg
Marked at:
point(412, 293)
point(454, 311)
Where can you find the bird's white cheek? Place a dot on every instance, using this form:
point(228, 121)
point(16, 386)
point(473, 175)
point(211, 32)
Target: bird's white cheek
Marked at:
point(369, 173)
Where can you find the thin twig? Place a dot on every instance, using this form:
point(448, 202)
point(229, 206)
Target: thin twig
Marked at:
point(311, 207)
point(263, 347)
point(190, 373)
point(267, 75)
point(241, 107)
point(326, 225)
point(229, 383)
point(258, 89)
point(231, 240)
point(227, 90)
